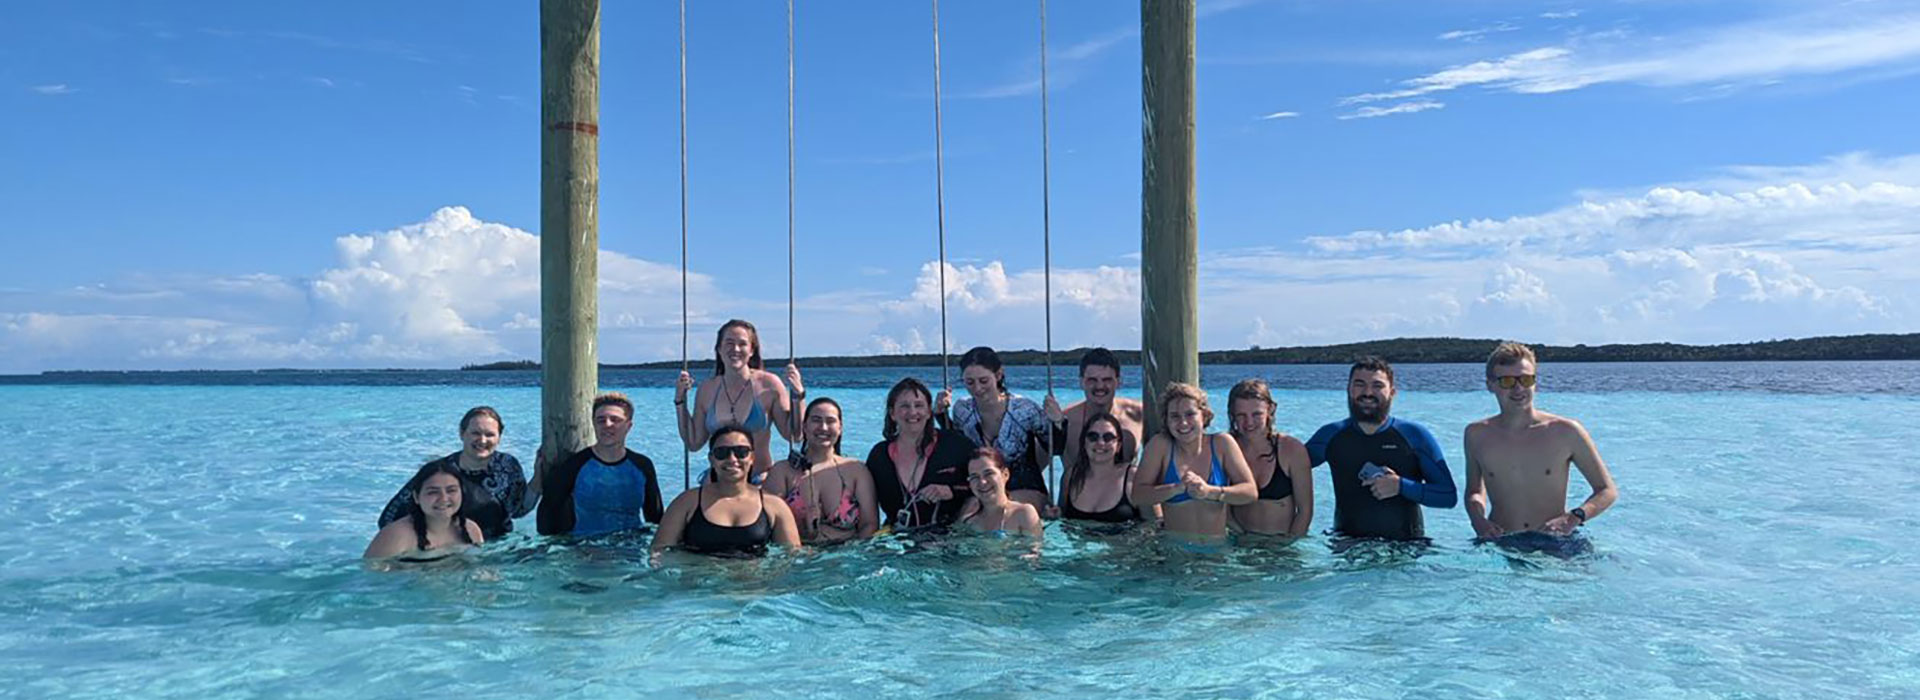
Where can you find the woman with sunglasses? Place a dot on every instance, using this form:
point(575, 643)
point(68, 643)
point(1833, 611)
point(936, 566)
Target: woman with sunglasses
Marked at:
point(739, 520)
point(919, 472)
point(1279, 462)
point(1193, 504)
point(433, 526)
point(991, 416)
point(740, 393)
point(991, 510)
point(831, 495)
point(1096, 483)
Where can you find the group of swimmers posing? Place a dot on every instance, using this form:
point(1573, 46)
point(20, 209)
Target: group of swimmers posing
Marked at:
point(979, 463)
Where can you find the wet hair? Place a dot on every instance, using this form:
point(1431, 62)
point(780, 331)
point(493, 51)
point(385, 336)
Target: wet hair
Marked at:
point(987, 359)
point(418, 516)
point(612, 398)
point(1509, 353)
point(888, 430)
point(1373, 363)
point(753, 340)
point(1099, 357)
point(800, 461)
point(481, 412)
point(1077, 471)
point(1254, 390)
point(1183, 390)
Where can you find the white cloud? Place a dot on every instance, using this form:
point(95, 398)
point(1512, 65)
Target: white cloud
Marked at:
point(1475, 35)
point(1835, 42)
point(1566, 14)
point(1370, 112)
point(55, 89)
point(1280, 115)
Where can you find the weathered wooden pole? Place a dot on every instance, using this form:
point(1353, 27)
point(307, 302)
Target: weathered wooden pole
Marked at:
point(1169, 249)
point(569, 222)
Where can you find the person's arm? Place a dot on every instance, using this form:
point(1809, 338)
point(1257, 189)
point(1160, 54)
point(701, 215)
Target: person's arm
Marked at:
point(790, 404)
point(1476, 501)
point(786, 532)
point(1317, 445)
point(693, 431)
point(1587, 458)
point(867, 495)
point(650, 504)
point(1240, 489)
point(520, 498)
point(674, 522)
point(1027, 521)
point(1292, 456)
point(1437, 490)
point(474, 534)
point(393, 539)
point(1147, 489)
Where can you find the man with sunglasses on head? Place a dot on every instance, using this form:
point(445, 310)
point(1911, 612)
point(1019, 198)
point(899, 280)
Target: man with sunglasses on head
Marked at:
point(1384, 469)
point(1519, 460)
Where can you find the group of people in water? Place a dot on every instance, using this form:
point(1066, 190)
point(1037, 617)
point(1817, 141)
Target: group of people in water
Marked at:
point(979, 463)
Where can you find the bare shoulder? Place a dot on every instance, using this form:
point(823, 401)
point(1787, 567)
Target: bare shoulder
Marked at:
point(776, 505)
point(1130, 406)
point(474, 534)
point(1563, 427)
point(777, 475)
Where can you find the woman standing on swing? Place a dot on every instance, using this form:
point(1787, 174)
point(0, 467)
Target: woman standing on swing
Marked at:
point(740, 393)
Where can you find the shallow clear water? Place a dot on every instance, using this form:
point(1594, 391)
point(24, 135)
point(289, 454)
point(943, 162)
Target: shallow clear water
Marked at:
point(186, 541)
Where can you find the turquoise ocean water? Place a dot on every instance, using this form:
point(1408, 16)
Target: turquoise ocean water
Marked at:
point(183, 537)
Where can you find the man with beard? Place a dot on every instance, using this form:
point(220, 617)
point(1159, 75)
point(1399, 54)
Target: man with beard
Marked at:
point(1383, 468)
point(1099, 379)
point(1518, 459)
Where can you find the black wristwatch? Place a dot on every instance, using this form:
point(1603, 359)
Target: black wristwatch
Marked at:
point(1579, 512)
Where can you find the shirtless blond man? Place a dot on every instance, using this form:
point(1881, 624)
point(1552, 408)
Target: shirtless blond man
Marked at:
point(1520, 459)
point(1100, 381)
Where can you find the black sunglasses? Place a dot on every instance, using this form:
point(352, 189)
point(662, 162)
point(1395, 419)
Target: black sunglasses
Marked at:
point(1102, 437)
point(721, 452)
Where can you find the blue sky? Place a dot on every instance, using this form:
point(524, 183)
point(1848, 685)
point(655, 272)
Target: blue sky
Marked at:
point(356, 184)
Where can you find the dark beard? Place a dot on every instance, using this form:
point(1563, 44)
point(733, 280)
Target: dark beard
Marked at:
point(1364, 415)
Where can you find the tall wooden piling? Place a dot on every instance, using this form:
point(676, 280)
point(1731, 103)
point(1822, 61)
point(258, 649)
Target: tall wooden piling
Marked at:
point(1169, 234)
point(569, 222)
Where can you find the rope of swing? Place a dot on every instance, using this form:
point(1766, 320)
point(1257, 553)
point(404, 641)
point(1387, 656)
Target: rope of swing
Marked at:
point(686, 460)
point(793, 412)
point(940, 197)
point(1046, 231)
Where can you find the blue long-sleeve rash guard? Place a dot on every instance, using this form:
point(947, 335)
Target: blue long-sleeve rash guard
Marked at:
point(1404, 446)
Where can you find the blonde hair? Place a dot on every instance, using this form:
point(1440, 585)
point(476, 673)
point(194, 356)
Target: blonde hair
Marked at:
point(1509, 353)
point(1183, 390)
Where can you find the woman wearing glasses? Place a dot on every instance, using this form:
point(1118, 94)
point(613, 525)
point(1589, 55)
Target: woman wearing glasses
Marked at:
point(919, 472)
point(991, 416)
point(1096, 483)
point(738, 520)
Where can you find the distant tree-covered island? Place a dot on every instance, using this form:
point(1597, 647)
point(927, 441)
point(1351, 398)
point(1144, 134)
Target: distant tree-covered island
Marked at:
point(1402, 350)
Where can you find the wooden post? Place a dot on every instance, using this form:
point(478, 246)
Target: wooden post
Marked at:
point(1169, 249)
point(569, 222)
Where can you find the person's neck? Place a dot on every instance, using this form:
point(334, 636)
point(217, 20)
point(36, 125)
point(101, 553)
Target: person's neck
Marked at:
point(1518, 416)
point(1193, 446)
point(1099, 405)
point(820, 454)
point(441, 527)
point(471, 463)
point(732, 377)
point(1108, 465)
point(609, 454)
point(995, 399)
point(729, 488)
point(1372, 427)
point(909, 439)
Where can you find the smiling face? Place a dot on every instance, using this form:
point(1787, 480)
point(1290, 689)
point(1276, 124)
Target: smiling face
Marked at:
point(610, 426)
point(823, 424)
point(1518, 396)
point(1099, 382)
point(1251, 417)
point(1101, 440)
point(910, 411)
point(480, 438)
point(1369, 395)
point(982, 383)
point(1185, 420)
point(736, 347)
point(439, 495)
point(731, 456)
point(988, 480)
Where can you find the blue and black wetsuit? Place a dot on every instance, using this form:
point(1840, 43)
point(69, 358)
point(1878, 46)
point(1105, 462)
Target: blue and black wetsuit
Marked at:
point(1405, 447)
point(584, 496)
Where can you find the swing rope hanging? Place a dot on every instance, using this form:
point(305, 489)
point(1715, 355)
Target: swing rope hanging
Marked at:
point(686, 460)
point(1046, 231)
point(940, 196)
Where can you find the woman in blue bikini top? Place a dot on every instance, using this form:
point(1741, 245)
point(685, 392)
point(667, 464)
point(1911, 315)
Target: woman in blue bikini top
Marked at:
point(740, 393)
point(1193, 504)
